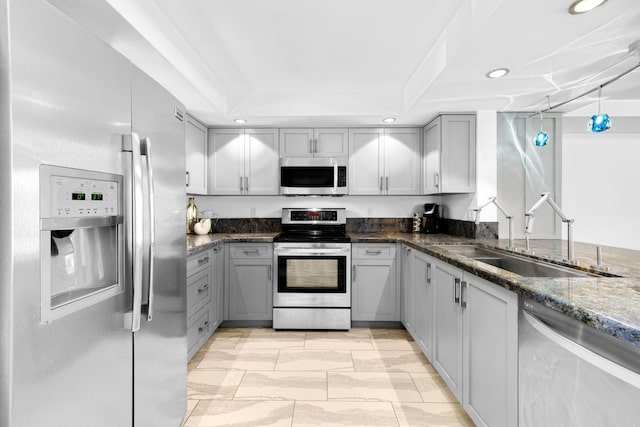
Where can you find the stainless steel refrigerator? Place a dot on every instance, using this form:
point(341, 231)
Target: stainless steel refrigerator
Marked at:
point(92, 243)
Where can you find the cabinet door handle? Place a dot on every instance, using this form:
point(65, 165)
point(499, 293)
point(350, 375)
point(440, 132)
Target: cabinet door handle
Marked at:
point(373, 252)
point(188, 179)
point(428, 272)
point(203, 260)
point(436, 179)
point(241, 184)
point(353, 273)
point(251, 251)
point(204, 326)
point(246, 184)
point(463, 286)
point(456, 287)
point(270, 273)
point(202, 289)
point(387, 183)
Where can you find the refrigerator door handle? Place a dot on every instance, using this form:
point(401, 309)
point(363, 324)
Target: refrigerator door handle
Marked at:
point(134, 222)
point(146, 146)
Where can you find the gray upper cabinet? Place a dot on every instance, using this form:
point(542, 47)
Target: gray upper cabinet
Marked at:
point(196, 156)
point(243, 161)
point(321, 142)
point(384, 161)
point(449, 155)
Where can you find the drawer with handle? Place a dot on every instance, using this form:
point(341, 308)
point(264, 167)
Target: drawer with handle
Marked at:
point(251, 250)
point(369, 251)
point(198, 330)
point(198, 262)
point(198, 291)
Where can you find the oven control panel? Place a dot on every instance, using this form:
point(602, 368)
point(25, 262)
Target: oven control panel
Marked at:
point(314, 216)
point(329, 216)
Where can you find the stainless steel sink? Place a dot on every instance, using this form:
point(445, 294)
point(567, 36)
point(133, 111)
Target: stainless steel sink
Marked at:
point(520, 265)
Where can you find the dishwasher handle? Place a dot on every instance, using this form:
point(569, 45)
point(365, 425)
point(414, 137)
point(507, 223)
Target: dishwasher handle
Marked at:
point(624, 374)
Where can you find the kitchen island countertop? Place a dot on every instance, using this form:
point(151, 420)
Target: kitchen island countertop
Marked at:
point(610, 304)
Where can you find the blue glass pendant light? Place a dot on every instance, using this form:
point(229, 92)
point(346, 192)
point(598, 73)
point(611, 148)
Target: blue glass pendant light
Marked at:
point(599, 122)
point(542, 137)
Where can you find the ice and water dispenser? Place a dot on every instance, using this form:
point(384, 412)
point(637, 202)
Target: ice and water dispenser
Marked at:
point(81, 239)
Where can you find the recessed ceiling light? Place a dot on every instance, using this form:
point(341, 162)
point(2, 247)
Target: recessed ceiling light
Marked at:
point(240, 121)
point(389, 119)
point(582, 6)
point(497, 73)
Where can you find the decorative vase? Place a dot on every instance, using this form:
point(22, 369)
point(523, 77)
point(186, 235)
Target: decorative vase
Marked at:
point(192, 215)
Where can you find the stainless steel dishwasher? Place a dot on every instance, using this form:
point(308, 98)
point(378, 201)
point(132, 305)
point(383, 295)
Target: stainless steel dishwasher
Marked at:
point(571, 374)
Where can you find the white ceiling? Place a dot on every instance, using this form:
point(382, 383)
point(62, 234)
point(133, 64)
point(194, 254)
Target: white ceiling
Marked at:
point(353, 62)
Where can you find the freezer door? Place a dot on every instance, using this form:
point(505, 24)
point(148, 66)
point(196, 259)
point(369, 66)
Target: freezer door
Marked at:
point(160, 345)
point(70, 104)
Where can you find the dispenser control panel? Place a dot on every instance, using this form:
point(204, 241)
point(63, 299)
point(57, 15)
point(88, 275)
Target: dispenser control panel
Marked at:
point(81, 196)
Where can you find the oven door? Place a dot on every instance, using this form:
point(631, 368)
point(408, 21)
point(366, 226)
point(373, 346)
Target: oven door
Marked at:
point(312, 275)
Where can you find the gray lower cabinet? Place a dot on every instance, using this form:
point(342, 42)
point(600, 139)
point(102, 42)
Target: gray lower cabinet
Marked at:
point(407, 310)
point(375, 296)
point(249, 281)
point(423, 304)
point(216, 306)
point(467, 328)
point(447, 338)
point(199, 291)
point(490, 353)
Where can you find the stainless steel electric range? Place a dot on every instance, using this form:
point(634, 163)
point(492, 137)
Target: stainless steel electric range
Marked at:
point(312, 258)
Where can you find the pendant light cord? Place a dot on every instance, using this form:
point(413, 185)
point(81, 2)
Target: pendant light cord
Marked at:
point(599, 97)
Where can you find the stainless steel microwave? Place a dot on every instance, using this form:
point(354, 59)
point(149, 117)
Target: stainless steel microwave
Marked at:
point(313, 176)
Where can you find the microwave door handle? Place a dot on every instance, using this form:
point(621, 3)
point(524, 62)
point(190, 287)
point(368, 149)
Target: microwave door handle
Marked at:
point(335, 178)
point(146, 146)
point(134, 216)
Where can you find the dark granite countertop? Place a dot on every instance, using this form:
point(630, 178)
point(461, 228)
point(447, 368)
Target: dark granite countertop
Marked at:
point(197, 243)
point(609, 304)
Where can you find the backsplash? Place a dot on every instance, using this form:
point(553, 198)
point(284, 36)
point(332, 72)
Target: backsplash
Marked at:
point(377, 225)
point(453, 227)
point(456, 227)
point(247, 225)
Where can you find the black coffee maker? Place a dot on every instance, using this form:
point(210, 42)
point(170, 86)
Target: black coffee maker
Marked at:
point(431, 218)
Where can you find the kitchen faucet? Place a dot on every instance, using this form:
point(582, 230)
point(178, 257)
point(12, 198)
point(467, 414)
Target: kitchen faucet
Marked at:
point(494, 200)
point(528, 229)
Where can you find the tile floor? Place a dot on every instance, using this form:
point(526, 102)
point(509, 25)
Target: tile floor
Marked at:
point(364, 377)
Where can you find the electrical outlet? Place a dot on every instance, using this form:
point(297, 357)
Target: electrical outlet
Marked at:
point(252, 212)
point(370, 212)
